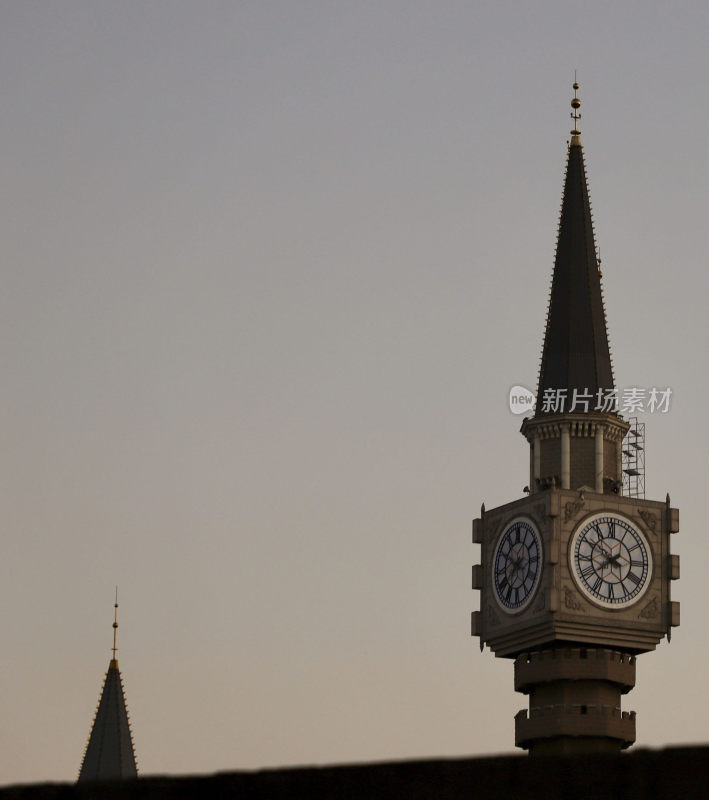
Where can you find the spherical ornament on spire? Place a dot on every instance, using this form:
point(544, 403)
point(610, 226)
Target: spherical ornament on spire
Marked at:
point(575, 115)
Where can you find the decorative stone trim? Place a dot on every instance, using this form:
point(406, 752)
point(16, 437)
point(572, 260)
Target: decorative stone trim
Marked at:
point(580, 426)
point(572, 508)
point(649, 519)
point(571, 600)
point(651, 610)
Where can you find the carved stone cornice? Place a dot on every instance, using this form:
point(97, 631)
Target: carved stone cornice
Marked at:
point(548, 426)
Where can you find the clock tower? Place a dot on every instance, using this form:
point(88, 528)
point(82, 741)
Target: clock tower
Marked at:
point(575, 578)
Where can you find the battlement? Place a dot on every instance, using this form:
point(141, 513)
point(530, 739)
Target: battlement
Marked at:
point(576, 721)
point(591, 653)
point(574, 664)
point(578, 708)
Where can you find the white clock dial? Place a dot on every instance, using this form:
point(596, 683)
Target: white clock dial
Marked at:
point(611, 560)
point(517, 565)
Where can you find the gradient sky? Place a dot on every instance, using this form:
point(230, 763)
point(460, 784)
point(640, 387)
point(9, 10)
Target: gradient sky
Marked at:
point(269, 271)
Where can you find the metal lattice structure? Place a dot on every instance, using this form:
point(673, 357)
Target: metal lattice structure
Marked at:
point(634, 459)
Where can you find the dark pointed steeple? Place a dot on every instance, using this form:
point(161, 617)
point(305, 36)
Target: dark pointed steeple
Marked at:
point(576, 354)
point(109, 752)
point(576, 434)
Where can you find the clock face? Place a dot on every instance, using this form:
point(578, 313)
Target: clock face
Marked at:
point(610, 560)
point(517, 565)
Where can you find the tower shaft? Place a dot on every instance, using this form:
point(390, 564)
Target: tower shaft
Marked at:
point(574, 701)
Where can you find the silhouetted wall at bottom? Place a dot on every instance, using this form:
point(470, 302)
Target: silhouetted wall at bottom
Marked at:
point(662, 774)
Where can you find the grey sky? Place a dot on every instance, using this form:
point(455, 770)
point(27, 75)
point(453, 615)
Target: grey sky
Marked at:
point(270, 269)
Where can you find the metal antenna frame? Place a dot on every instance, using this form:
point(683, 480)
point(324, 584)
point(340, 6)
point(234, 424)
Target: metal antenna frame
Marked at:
point(634, 460)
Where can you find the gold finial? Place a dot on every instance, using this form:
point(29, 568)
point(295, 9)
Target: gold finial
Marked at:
point(575, 115)
point(115, 625)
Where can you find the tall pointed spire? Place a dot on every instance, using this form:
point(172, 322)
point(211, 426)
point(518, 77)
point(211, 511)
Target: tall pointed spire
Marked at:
point(576, 354)
point(109, 753)
point(576, 434)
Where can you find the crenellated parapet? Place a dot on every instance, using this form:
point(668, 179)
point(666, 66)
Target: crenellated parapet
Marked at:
point(574, 663)
point(588, 728)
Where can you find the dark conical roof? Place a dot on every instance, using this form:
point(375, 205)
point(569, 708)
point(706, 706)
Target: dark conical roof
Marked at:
point(576, 353)
point(109, 753)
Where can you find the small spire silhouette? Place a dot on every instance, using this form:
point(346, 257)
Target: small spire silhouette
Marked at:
point(109, 753)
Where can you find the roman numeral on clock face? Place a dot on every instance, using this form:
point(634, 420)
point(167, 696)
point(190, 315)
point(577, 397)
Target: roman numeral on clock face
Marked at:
point(516, 565)
point(611, 560)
